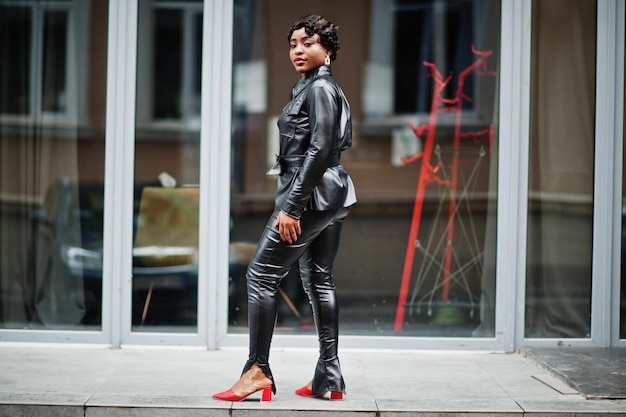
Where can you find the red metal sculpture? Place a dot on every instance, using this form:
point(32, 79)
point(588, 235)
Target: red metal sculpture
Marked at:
point(430, 173)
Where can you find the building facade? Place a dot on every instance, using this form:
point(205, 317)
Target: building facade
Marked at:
point(487, 154)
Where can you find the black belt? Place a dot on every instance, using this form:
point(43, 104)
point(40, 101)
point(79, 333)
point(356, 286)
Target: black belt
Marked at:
point(286, 162)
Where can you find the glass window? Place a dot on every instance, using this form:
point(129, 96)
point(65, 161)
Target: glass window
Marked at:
point(16, 28)
point(54, 62)
point(560, 207)
point(165, 252)
point(36, 39)
point(417, 263)
point(444, 32)
point(52, 163)
point(170, 73)
point(168, 63)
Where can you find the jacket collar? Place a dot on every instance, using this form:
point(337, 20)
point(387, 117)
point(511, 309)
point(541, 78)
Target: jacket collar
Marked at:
point(310, 76)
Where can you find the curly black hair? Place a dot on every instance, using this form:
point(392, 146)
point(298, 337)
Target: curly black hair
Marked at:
point(327, 31)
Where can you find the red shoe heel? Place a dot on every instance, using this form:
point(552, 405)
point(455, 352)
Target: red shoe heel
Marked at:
point(267, 394)
point(336, 395)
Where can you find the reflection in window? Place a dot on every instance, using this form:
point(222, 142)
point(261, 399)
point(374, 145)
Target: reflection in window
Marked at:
point(52, 163)
point(34, 40)
point(167, 63)
point(560, 207)
point(15, 36)
point(407, 33)
point(170, 73)
point(55, 62)
point(425, 31)
point(389, 40)
point(165, 250)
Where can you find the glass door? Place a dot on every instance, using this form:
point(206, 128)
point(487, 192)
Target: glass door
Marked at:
point(418, 250)
point(167, 167)
point(561, 172)
point(52, 145)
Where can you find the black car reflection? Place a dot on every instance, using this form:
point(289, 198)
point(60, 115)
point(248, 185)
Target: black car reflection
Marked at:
point(64, 283)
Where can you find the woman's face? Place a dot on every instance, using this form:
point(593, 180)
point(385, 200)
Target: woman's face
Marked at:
point(305, 52)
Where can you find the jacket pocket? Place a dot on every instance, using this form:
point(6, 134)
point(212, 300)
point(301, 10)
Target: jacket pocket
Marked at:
point(289, 118)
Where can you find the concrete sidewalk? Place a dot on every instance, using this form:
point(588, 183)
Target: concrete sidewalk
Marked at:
point(75, 381)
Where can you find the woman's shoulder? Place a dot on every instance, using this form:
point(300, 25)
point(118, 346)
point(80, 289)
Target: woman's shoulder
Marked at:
point(324, 83)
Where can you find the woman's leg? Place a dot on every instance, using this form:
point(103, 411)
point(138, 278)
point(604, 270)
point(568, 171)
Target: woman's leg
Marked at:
point(271, 263)
point(316, 271)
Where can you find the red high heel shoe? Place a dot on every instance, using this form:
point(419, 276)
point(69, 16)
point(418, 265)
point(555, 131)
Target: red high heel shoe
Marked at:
point(307, 392)
point(229, 395)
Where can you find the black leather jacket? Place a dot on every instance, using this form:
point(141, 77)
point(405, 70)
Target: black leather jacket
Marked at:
point(315, 127)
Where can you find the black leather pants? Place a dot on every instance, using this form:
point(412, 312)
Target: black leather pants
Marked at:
point(315, 252)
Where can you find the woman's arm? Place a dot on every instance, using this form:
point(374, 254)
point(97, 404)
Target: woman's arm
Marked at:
point(323, 109)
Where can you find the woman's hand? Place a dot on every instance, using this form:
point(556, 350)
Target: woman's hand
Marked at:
point(288, 227)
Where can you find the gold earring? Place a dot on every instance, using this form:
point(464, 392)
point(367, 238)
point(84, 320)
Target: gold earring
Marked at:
point(327, 60)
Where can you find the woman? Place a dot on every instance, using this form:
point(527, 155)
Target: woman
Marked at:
point(313, 197)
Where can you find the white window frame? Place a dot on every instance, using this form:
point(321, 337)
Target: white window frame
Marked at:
point(513, 158)
point(512, 173)
point(607, 207)
point(77, 13)
point(609, 165)
point(188, 119)
point(513, 162)
point(214, 177)
point(119, 172)
point(379, 114)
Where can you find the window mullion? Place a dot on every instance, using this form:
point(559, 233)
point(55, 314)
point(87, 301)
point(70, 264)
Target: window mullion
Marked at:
point(514, 119)
point(607, 185)
point(217, 32)
point(119, 165)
